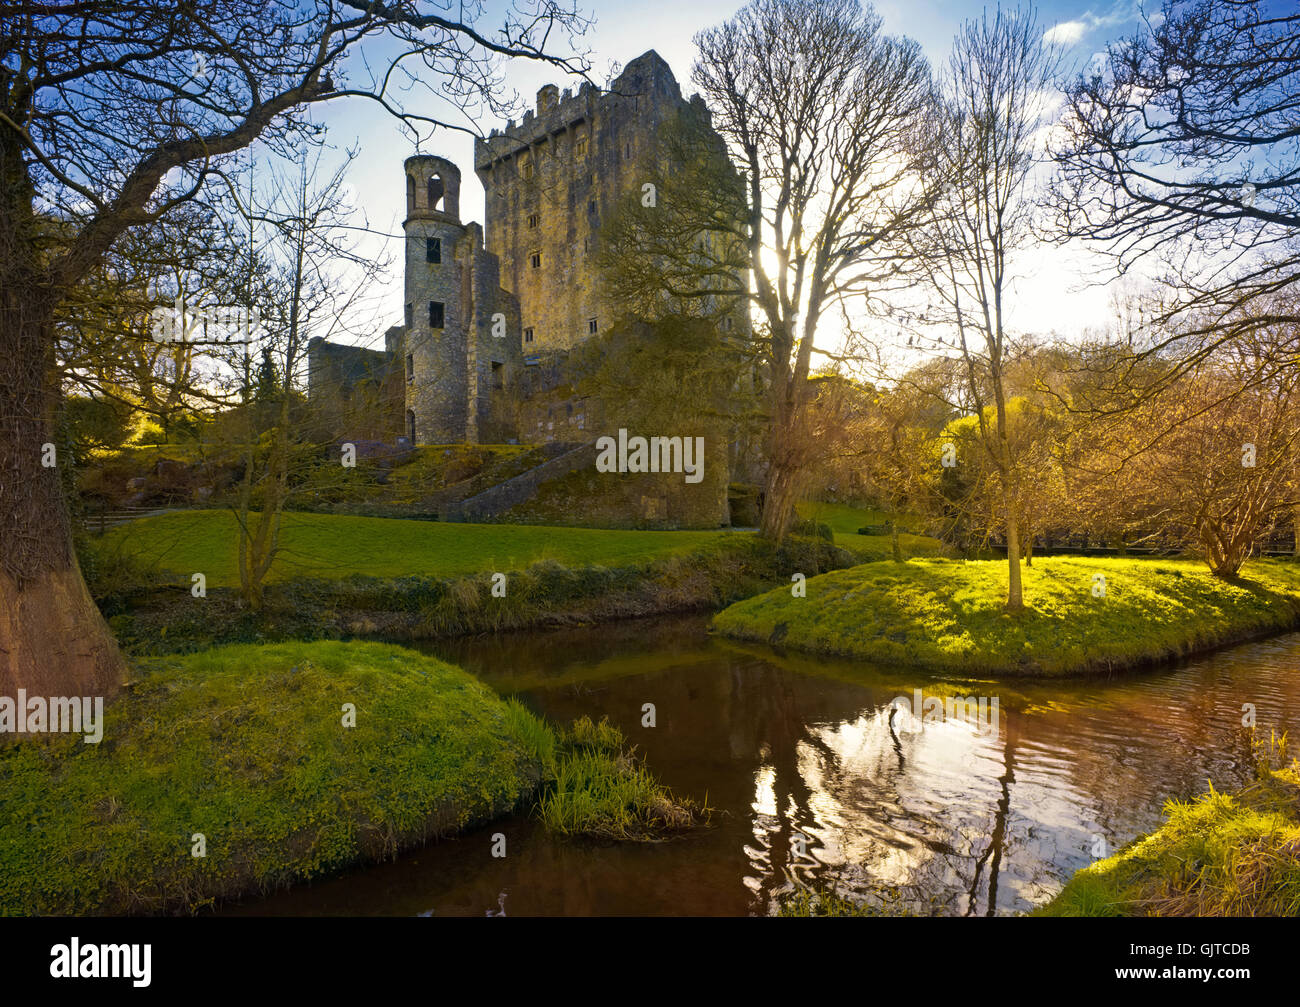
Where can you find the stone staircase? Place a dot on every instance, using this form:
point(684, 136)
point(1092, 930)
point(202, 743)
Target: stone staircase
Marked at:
point(100, 521)
point(519, 489)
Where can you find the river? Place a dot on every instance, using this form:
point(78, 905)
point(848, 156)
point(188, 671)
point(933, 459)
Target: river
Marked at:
point(817, 779)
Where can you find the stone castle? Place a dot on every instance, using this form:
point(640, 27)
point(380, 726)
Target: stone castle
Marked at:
point(491, 313)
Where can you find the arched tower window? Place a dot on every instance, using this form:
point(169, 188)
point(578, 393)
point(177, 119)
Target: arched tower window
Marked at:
point(410, 425)
point(436, 189)
point(410, 195)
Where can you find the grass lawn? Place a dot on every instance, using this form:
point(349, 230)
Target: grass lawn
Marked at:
point(246, 745)
point(329, 546)
point(947, 615)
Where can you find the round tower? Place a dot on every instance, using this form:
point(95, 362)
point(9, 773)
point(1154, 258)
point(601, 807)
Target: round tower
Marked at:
point(437, 390)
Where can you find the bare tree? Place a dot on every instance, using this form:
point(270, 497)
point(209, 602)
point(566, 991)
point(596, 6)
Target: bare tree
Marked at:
point(106, 332)
point(830, 123)
point(309, 282)
point(1179, 149)
point(997, 99)
point(116, 113)
point(1207, 463)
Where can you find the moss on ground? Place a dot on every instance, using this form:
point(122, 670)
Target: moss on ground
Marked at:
point(1218, 855)
point(948, 615)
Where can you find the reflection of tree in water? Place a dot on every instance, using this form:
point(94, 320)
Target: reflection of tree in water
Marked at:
point(774, 715)
point(771, 714)
point(929, 818)
point(770, 710)
point(893, 737)
point(992, 855)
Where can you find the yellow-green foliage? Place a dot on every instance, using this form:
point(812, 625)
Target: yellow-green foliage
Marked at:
point(145, 456)
point(947, 615)
point(1218, 855)
point(969, 424)
point(246, 744)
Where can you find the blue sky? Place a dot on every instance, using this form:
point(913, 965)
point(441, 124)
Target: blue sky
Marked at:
point(1048, 298)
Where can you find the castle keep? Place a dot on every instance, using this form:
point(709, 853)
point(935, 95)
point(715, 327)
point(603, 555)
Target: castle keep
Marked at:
point(549, 180)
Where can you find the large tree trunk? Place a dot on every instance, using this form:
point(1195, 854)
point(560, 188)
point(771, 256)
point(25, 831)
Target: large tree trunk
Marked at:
point(780, 494)
point(53, 640)
point(784, 463)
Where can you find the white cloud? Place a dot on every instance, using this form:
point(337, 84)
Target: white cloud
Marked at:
point(1066, 33)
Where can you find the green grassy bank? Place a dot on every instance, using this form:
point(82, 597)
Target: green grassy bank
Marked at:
point(248, 746)
point(1219, 855)
point(671, 572)
point(947, 615)
point(845, 520)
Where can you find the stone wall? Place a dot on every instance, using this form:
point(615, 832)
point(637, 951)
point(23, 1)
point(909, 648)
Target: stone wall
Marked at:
point(520, 489)
point(355, 393)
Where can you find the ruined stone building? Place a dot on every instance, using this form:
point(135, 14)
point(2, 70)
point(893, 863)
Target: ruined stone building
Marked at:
point(460, 360)
point(493, 313)
point(356, 392)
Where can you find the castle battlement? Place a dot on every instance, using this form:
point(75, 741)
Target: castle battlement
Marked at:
point(568, 112)
point(646, 77)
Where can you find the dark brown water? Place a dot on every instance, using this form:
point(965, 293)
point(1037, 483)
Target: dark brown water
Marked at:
point(817, 779)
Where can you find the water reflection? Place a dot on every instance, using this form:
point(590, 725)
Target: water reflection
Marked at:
point(821, 780)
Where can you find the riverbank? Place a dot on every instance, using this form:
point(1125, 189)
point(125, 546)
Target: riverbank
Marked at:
point(245, 769)
point(1219, 855)
point(664, 575)
point(1083, 615)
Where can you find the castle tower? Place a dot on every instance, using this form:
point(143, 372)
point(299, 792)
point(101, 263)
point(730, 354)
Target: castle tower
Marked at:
point(461, 331)
point(550, 180)
point(435, 362)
